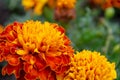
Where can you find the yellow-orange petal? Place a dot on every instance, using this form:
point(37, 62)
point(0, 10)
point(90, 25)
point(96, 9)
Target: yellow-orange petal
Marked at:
point(21, 52)
point(1, 28)
point(29, 59)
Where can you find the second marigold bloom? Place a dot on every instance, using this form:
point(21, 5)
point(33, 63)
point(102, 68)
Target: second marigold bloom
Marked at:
point(88, 65)
point(37, 50)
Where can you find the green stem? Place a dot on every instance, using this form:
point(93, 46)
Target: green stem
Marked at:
point(109, 37)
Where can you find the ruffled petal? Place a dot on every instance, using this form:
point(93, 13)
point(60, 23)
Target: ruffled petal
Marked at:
point(10, 32)
point(29, 76)
point(13, 60)
point(53, 62)
point(27, 67)
point(29, 59)
point(47, 74)
point(59, 64)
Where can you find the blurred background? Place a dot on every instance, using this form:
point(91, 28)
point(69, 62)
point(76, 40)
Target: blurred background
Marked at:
point(89, 26)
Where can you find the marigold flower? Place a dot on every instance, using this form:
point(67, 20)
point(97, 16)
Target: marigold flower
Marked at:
point(88, 65)
point(36, 5)
point(35, 47)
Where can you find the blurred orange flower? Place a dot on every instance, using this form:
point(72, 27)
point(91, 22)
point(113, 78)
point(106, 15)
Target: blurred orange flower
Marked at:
point(116, 3)
point(102, 3)
point(36, 5)
point(38, 50)
point(106, 3)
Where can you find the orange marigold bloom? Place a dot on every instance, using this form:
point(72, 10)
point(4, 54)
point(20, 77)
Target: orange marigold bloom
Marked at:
point(88, 65)
point(36, 5)
point(37, 50)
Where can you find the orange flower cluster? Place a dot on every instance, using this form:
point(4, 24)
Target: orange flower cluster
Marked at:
point(35, 50)
point(107, 3)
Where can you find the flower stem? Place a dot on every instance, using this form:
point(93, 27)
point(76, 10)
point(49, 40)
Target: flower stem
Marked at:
point(109, 37)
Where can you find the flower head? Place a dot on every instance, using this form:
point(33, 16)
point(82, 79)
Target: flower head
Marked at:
point(88, 65)
point(36, 5)
point(35, 47)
